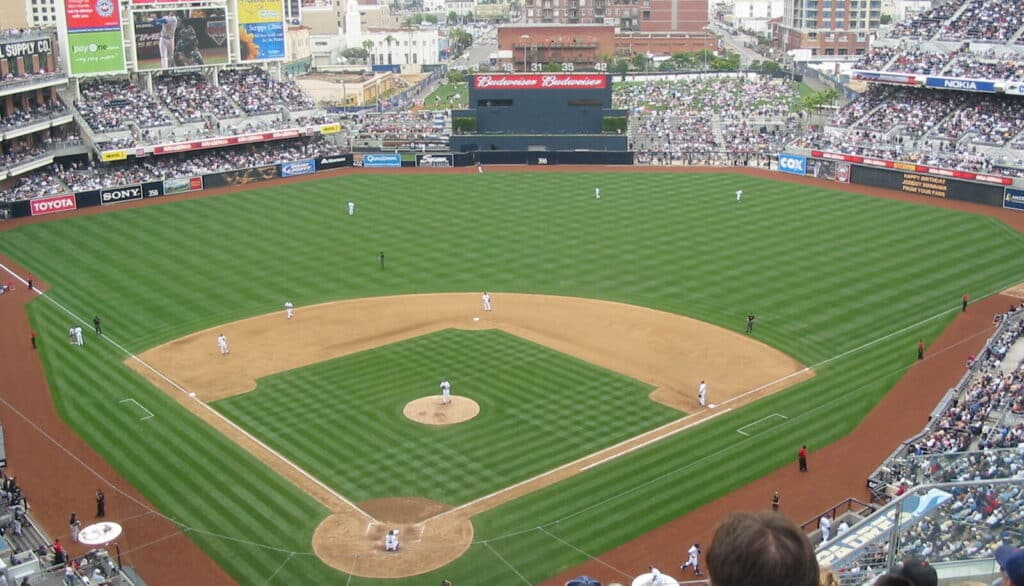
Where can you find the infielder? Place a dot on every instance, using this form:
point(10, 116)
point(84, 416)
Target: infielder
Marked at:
point(71, 336)
point(446, 392)
point(168, 25)
point(702, 394)
point(78, 336)
point(351, 208)
point(288, 309)
point(655, 576)
point(487, 301)
point(739, 195)
point(597, 193)
point(222, 343)
point(694, 560)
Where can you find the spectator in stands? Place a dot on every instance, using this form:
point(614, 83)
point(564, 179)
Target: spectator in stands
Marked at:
point(919, 572)
point(1011, 564)
point(763, 547)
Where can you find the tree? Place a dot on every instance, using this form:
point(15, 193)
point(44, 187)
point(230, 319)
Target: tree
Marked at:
point(456, 76)
point(885, 19)
point(552, 66)
point(640, 61)
point(368, 45)
point(730, 62)
point(431, 18)
point(453, 18)
point(390, 39)
point(355, 53)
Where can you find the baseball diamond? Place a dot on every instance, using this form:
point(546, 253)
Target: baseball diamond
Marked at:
point(644, 293)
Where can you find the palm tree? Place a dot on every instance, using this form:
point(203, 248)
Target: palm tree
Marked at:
point(389, 39)
point(368, 45)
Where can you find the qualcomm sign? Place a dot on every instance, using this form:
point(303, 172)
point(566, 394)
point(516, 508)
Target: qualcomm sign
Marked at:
point(382, 160)
point(795, 164)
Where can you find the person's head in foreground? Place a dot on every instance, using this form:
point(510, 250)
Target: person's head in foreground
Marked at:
point(763, 548)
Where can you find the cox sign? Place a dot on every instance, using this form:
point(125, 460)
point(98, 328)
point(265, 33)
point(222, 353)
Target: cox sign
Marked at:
point(52, 205)
point(795, 164)
point(382, 160)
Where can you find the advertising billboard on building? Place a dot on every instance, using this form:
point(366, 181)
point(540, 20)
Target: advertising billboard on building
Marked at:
point(180, 38)
point(95, 45)
point(261, 30)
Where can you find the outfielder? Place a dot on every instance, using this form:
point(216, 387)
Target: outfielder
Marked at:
point(222, 343)
point(702, 394)
point(487, 301)
point(597, 193)
point(351, 208)
point(739, 195)
point(288, 309)
point(694, 560)
point(168, 25)
point(446, 392)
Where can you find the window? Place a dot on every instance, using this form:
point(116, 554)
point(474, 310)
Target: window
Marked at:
point(647, 15)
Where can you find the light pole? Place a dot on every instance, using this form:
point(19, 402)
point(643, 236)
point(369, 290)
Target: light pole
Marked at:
point(525, 39)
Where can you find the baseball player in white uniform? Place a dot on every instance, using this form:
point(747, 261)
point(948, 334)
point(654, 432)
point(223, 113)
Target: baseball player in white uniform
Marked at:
point(78, 336)
point(351, 208)
point(694, 560)
point(655, 576)
point(597, 193)
point(168, 25)
point(391, 540)
point(288, 309)
point(826, 528)
point(222, 343)
point(702, 394)
point(446, 392)
point(487, 301)
point(739, 195)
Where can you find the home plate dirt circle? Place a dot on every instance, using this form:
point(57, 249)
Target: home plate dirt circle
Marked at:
point(432, 411)
point(428, 540)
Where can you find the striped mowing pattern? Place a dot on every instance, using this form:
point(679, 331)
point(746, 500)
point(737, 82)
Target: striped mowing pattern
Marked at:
point(342, 420)
point(826, 273)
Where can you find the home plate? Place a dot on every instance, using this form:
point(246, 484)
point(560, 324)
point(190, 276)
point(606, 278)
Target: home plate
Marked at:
point(476, 319)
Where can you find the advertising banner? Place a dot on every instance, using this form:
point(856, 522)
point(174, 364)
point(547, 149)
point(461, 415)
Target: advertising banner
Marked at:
point(795, 164)
point(194, 145)
point(182, 185)
point(333, 162)
point(26, 48)
point(107, 156)
point(1014, 199)
point(241, 176)
point(120, 194)
point(330, 128)
point(153, 189)
point(92, 15)
point(967, 85)
point(293, 168)
point(180, 38)
point(52, 205)
point(547, 81)
point(881, 77)
point(95, 44)
point(261, 30)
point(434, 161)
point(928, 185)
point(382, 160)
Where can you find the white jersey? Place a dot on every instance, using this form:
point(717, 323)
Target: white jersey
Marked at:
point(168, 24)
point(694, 552)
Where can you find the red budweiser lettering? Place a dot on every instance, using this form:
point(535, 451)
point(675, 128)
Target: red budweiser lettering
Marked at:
point(540, 81)
point(52, 205)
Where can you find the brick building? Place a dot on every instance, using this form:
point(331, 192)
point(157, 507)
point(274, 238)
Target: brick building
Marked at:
point(532, 46)
point(827, 27)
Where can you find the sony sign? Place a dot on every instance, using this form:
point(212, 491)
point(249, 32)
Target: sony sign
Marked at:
point(120, 195)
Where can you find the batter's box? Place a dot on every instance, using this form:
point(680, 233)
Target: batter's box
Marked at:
point(764, 422)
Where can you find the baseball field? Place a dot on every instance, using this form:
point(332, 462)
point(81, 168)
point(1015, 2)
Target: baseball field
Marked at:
point(287, 459)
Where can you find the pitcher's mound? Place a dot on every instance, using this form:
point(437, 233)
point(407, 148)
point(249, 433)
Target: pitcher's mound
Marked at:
point(431, 411)
point(349, 542)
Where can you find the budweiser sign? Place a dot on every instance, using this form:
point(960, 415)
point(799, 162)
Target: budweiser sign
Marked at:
point(548, 81)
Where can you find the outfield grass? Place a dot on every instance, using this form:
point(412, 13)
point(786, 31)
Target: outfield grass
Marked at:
point(828, 274)
point(447, 96)
point(538, 409)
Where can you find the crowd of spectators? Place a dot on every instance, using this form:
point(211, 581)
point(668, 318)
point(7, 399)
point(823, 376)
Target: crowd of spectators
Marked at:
point(22, 117)
point(926, 24)
point(989, 64)
point(400, 129)
point(258, 93)
point(708, 119)
point(986, 20)
point(914, 111)
point(111, 105)
point(190, 97)
point(992, 120)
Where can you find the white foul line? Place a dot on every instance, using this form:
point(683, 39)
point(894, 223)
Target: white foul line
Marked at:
point(203, 405)
point(654, 439)
point(139, 405)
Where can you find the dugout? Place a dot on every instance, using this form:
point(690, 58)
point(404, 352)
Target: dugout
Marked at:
point(539, 112)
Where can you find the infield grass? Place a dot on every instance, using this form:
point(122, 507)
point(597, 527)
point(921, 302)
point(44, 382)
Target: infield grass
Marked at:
point(833, 277)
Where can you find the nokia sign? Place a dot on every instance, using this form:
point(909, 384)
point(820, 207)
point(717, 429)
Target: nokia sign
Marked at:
point(966, 85)
point(120, 195)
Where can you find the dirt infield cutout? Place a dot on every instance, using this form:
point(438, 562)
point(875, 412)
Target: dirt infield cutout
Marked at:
point(668, 351)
